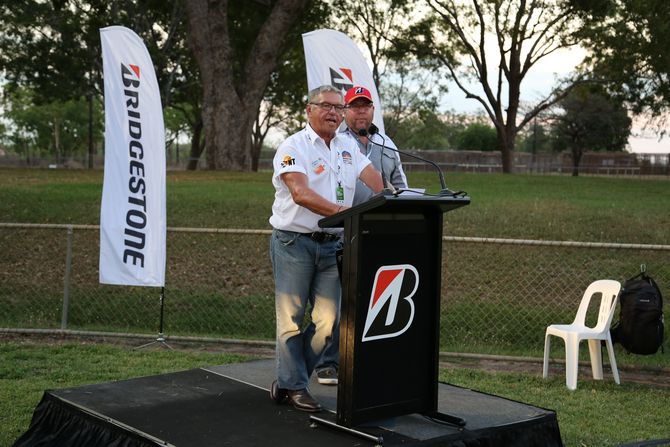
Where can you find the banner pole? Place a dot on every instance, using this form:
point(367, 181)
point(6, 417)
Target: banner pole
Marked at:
point(161, 336)
point(162, 306)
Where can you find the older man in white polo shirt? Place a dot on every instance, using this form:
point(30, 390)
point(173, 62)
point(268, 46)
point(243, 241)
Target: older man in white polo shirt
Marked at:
point(315, 173)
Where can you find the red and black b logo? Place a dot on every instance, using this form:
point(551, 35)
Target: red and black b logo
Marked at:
point(391, 309)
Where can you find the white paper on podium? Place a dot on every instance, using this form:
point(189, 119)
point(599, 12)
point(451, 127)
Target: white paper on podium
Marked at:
point(413, 191)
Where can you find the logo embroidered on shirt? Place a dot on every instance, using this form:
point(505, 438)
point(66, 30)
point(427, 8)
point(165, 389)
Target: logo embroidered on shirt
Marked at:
point(318, 166)
point(346, 157)
point(287, 161)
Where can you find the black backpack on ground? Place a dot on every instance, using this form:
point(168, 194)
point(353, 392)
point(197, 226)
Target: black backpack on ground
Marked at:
point(640, 327)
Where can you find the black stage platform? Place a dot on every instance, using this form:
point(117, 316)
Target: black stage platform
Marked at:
point(230, 405)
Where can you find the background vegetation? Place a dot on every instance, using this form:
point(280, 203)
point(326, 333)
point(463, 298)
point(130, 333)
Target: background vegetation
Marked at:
point(416, 49)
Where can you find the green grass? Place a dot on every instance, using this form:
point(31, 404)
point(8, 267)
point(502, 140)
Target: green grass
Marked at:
point(596, 414)
point(602, 209)
point(210, 272)
point(28, 369)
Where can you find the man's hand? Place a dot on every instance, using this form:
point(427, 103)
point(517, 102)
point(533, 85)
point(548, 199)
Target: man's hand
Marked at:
point(372, 178)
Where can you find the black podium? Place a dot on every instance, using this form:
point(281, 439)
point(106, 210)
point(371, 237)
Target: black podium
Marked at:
point(389, 329)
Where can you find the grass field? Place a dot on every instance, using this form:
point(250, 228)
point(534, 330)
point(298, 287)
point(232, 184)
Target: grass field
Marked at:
point(596, 414)
point(594, 209)
point(598, 209)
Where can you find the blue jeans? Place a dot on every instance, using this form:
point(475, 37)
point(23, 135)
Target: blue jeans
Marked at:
point(305, 274)
point(331, 355)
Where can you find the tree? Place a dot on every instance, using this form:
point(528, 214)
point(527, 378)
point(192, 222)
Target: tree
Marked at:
point(423, 130)
point(187, 101)
point(628, 41)
point(477, 137)
point(591, 120)
point(54, 47)
point(522, 32)
point(411, 94)
point(536, 138)
point(56, 128)
point(283, 105)
point(376, 25)
point(39, 43)
point(234, 78)
point(408, 86)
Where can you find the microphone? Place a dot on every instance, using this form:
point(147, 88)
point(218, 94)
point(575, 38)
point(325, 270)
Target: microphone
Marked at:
point(364, 133)
point(444, 192)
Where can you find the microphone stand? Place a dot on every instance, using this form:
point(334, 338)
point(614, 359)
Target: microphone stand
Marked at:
point(388, 186)
point(444, 192)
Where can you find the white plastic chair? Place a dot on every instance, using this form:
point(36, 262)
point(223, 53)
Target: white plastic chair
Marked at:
point(573, 334)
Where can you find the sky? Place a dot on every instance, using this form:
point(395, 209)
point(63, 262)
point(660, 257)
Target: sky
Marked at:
point(538, 83)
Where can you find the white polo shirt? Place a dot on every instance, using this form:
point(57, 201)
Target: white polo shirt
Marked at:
point(325, 168)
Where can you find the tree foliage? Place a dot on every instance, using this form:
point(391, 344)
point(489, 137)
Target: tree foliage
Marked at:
point(536, 138)
point(497, 43)
point(377, 25)
point(407, 85)
point(55, 129)
point(628, 40)
point(53, 48)
point(477, 137)
point(590, 120)
point(423, 130)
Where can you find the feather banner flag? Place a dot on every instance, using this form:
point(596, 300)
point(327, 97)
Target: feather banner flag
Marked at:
point(332, 58)
point(132, 213)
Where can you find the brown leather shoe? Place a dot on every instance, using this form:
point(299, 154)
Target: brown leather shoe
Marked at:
point(277, 394)
point(303, 401)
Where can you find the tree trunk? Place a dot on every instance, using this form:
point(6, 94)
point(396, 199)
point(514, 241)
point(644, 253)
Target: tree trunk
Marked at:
point(196, 147)
point(507, 156)
point(506, 139)
point(57, 140)
point(227, 130)
point(260, 130)
point(91, 147)
point(255, 156)
point(256, 145)
point(231, 100)
point(576, 159)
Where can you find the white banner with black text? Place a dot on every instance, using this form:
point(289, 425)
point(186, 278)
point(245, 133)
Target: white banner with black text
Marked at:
point(132, 214)
point(332, 58)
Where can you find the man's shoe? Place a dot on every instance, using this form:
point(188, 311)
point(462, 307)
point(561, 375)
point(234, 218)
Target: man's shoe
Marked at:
point(327, 376)
point(277, 394)
point(303, 401)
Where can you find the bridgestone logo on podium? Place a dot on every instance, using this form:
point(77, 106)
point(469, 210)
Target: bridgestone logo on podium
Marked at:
point(391, 309)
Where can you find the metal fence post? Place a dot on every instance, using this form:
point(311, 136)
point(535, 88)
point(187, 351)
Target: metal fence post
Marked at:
point(66, 281)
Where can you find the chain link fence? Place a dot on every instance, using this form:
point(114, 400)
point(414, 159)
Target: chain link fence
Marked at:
point(497, 294)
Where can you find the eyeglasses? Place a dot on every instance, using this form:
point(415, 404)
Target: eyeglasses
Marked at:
point(328, 106)
point(363, 106)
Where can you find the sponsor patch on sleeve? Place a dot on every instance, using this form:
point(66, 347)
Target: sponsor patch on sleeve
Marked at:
point(287, 161)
